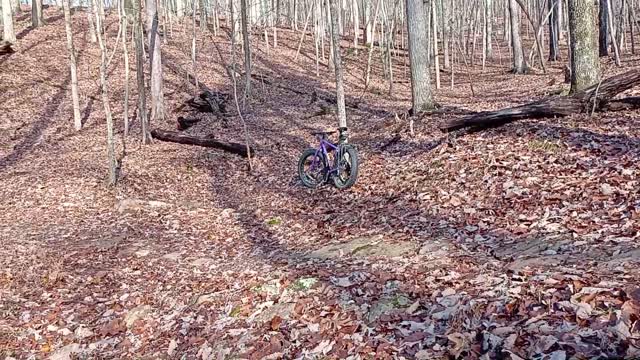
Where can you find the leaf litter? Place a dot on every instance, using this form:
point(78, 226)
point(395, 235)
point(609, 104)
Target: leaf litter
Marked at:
point(515, 243)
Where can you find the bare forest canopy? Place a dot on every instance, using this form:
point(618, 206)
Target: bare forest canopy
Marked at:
point(150, 205)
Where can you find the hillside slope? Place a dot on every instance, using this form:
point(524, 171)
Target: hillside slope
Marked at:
point(511, 243)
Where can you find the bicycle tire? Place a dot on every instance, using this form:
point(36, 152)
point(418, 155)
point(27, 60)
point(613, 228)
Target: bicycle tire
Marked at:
point(347, 157)
point(320, 178)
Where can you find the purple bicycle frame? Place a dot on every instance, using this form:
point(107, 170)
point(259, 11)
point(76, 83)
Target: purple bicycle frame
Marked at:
point(323, 148)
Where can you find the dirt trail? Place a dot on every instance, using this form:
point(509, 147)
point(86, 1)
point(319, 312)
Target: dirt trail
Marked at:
point(512, 243)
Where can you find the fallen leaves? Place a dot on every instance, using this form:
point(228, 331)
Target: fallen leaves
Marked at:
point(515, 243)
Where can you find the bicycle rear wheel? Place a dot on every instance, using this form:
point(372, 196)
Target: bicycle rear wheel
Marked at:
point(347, 164)
point(312, 168)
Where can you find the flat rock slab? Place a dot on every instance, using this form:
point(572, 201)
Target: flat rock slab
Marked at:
point(132, 205)
point(365, 247)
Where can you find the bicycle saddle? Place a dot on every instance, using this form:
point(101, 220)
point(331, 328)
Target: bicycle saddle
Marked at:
point(323, 132)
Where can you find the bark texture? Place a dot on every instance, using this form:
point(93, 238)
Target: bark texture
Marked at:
point(155, 59)
point(519, 64)
point(77, 120)
point(8, 31)
point(603, 28)
point(585, 66)
point(337, 65)
point(421, 96)
point(37, 19)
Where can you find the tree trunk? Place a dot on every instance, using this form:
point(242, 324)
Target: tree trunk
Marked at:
point(17, 9)
point(180, 8)
point(155, 61)
point(125, 50)
point(140, 59)
point(519, 64)
point(421, 97)
point(356, 24)
point(616, 51)
point(92, 26)
point(9, 33)
point(553, 29)
point(111, 153)
point(631, 28)
point(247, 49)
point(434, 22)
point(585, 66)
point(603, 28)
point(36, 13)
point(77, 120)
point(367, 74)
point(337, 65)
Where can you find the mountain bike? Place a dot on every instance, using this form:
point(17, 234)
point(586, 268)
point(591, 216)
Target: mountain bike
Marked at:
point(338, 162)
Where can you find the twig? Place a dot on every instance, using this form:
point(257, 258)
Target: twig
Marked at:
point(595, 94)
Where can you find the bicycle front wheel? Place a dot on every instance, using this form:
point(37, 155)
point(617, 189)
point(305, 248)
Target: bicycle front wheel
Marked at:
point(347, 164)
point(312, 168)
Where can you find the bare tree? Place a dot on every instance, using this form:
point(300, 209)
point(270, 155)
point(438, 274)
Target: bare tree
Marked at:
point(77, 120)
point(519, 63)
point(124, 22)
point(111, 152)
point(585, 66)
point(8, 32)
point(421, 97)
point(603, 28)
point(92, 26)
point(36, 13)
point(613, 32)
point(554, 29)
point(434, 23)
point(155, 61)
point(17, 9)
point(337, 65)
point(142, 96)
point(247, 49)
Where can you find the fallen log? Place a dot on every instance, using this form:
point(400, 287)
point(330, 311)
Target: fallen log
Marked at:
point(185, 123)
point(210, 101)
point(629, 103)
point(175, 137)
point(5, 48)
point(596, 97)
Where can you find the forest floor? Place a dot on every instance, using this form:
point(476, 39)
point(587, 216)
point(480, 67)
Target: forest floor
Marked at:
point(517, 242)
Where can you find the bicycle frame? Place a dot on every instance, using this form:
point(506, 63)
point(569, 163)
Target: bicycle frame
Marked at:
point(324, 145)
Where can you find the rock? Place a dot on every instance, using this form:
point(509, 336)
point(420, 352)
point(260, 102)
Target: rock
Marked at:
point(202, 262)
point(558, 355)
point(64, 332)
point(137, 313)
point(606, 189)
point(434, 247)
point(304, 284)
point(130, 205)
point(364, 247)
point(142, 253)
point(282, 310)
point(448, 292)
point(174, 256)
point(82, 332)
point(387, 304)
point(65, 352)
point(172, 347)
